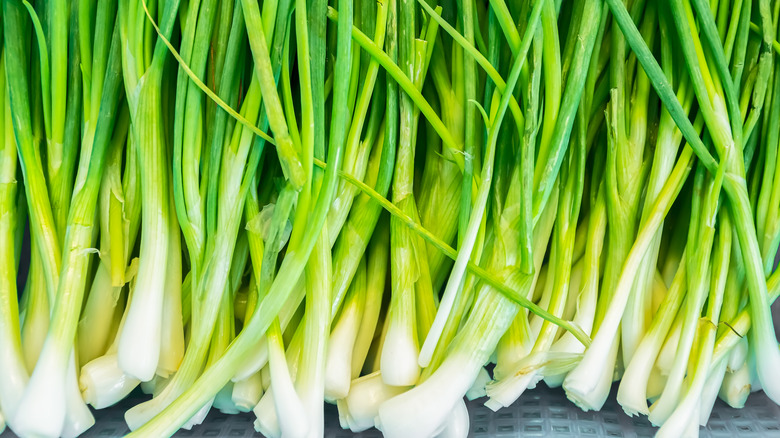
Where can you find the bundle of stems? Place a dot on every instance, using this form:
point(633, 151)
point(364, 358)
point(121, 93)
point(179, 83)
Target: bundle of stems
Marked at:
point(265, 206)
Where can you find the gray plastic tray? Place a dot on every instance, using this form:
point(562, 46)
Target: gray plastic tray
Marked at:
point(539, 412)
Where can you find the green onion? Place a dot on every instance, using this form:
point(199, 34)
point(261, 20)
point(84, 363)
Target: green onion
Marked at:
point(255, 146)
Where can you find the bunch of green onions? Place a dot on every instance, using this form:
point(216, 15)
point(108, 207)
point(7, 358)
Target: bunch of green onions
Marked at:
point(266, 206)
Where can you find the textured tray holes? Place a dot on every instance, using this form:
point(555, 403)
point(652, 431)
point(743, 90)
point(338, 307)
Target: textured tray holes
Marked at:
point(744, 428)
point(532, 415)
point(212, 432)
point(772, 427)
point(479, 429)
point(532, 428)
point(504, 415)
point(717, 427)
point(531, 403)
point(641, 422)
point(614, 432)
point(737, 415)
point(561, 429)
point(588, 430)
point(609, 419)
point(505, 428)
point(558, 415)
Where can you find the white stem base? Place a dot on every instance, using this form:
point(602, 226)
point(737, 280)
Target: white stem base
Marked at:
point(359, 408)
point(257, 359)
point(736, 387)
point(223, 401)
point(199, 416)
point(266, 422)
point(588, 385)
point(103, 384)
point(41, 410)
point(457, 425)
point(478, 390)
point(423, 410)
point(399, 354)
point(710, 393)
point(246, 393)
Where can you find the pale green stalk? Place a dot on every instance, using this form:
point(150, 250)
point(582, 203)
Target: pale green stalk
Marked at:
point(632, 393)
point(54, 376)
point(424, 408)
point(587, 298)
point(238, 151)
point(454, 282)
point(441, 177)
point(188, 141)
point(338, 365)
point(35, 309)
point(139, 344)
point(376, 265)
point(288, 157)
point(588, 384)
point(505, 392)
point(94, 333)
point(358, 151)
point(633, 125)
point(15, 375)
point(41, 219)
point(216, 376)
point(408, 259)
point(735, 188)
point(701, 359)
point(700, 239)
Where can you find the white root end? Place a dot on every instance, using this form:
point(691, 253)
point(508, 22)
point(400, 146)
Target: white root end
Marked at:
point(41, 410)
point(457, 425)
point(266, 421)
point(338, 365)
point(246, 393)
point(399, 356)
point(103, 384)
point(359, 408)
point(78, 417)
point(478, 390)
point(423, 410)
point(588, 384)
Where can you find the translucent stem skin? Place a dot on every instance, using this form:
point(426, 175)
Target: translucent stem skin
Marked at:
point(103, 383)
point(94, 327)
point(423, 407)
point(172, 330)
point(53, 383)
point(139, 343)
point(359, 408)
point(15, 374)
point(580, 385)
point(632, 392)
point(246, 393)
point(36, 312)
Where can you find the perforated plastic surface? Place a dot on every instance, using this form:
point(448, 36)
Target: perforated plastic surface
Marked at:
point(539, 412)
